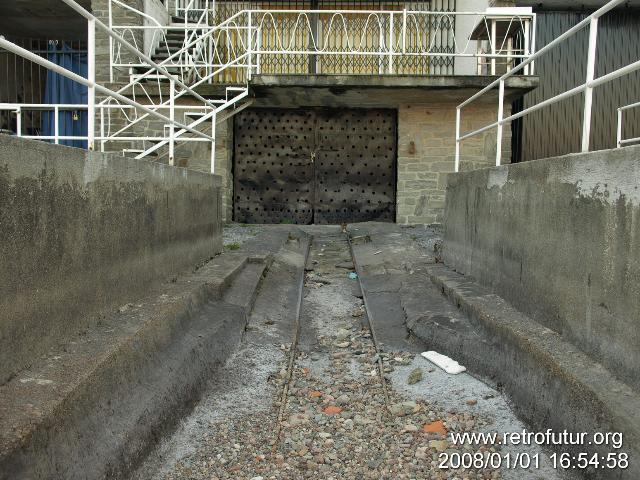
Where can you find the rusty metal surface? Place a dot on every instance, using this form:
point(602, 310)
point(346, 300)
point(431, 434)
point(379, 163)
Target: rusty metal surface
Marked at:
point(323, 166)
point(355, 166)
point(273, 172)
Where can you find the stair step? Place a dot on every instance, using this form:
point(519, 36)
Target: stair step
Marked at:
point(123, 382)
point(244, 289)
point(136, 151)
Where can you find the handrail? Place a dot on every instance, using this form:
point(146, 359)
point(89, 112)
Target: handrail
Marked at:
point(587, 87)
point(552, 44)
point(171, 57)
point(619, 140)
point(12, 47)
point(89, 16)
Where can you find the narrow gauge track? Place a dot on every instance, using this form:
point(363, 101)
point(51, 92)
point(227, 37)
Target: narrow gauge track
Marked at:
point(293, 350)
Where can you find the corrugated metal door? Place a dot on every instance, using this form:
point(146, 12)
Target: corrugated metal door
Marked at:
point(322, 166)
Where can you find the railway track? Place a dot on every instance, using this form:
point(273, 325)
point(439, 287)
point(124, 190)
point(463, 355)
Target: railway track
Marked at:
point(294, 353)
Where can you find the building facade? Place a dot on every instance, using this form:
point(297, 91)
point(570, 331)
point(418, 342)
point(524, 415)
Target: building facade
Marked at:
point(346, 111)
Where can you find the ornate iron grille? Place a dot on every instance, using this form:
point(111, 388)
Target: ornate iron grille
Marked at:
point(429, 32)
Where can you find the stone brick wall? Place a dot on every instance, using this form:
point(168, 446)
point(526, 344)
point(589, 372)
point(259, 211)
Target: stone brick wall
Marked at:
point(426, 154)
point(121, 16)
point(200, 160)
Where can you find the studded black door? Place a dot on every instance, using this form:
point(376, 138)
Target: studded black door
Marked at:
point(273, 174)
point(324, 166)
point(355, 166)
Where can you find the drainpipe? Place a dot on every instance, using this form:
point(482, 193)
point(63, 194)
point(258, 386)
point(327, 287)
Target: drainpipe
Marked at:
point(315, 18)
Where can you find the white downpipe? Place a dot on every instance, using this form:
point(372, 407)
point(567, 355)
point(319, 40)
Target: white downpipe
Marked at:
point(500, 126)
point(172, 117)
point(588, 91)
point(91, 91)
point(457, 161)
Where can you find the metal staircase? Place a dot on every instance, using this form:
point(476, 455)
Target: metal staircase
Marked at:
point(188, 50)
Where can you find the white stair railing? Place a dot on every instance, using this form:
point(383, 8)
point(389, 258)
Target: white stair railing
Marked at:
point(620, 140)
point(586, 88)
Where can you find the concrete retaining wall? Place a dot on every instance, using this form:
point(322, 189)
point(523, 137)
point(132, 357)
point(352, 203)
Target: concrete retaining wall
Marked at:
point(81, 232)
point(560, 239)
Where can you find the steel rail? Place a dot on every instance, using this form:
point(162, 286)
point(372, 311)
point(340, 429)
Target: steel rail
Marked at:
point(370, 320)
point(627, 107)
point(293, 348)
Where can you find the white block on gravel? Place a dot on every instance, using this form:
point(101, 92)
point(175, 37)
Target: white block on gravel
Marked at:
point(445, 363)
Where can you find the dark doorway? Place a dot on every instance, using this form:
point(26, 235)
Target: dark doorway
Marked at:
point(314, 165)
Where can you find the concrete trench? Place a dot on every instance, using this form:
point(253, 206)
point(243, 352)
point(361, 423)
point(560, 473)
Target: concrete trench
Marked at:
point(216, 390)
point(335, 421)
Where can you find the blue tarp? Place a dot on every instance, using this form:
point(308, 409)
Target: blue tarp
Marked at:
point(59, 89)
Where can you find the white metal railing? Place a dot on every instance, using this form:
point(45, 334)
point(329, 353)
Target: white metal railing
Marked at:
point(237, 59)
point(19, 110)
point(501, 38)
point(620, 142)
point(586, 88)
point(242, 43)
point(388, 36)
point(238, 47)
point(130, 107)
point(162, 38)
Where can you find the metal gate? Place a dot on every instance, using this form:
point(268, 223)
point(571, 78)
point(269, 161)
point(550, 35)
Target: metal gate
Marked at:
point(319, 166)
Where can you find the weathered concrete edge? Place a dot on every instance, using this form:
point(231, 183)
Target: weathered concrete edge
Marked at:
point(38, 444)
point(551, 383)
point(395, 81)
point(575, 270)
point(45, 309)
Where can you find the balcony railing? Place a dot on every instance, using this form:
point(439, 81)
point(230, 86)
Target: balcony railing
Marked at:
point(340, 42)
